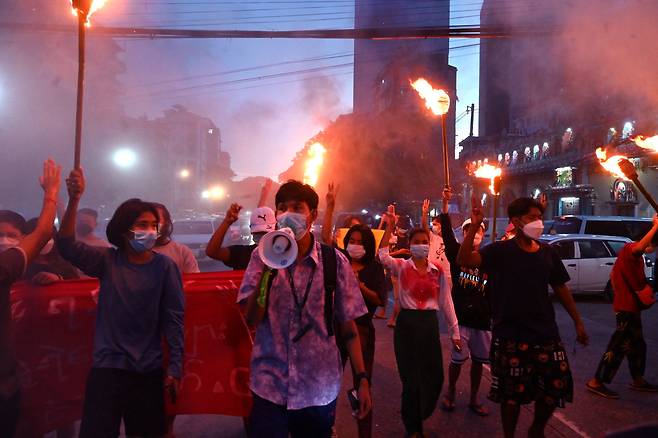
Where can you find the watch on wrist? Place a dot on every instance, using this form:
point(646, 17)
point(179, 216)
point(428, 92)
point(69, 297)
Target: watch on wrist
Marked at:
point(360, 376)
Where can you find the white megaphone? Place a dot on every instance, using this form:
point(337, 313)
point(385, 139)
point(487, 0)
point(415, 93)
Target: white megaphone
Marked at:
point(278, 249)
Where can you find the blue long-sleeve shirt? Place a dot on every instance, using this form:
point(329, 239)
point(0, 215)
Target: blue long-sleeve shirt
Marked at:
point(137, 305)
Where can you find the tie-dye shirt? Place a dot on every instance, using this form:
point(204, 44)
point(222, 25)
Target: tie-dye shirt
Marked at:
point(430, 291)
point(307, 372)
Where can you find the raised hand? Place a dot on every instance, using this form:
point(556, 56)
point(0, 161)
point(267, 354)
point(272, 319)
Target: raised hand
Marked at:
point(233, 213)
point(445, 202)
point(477, 217)
point(332, 193)
point(75, 184)
point(50, 180)
point(426, 207)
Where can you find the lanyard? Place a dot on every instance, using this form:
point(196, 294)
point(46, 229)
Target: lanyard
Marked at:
point(299, 306)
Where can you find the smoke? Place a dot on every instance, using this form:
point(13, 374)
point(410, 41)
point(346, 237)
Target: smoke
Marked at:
point(321, 98)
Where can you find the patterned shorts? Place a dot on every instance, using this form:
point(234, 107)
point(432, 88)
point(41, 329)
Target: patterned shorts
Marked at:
point(523, 373)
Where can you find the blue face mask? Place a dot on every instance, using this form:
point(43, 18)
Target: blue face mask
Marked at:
point(143, 240)
point(295, 221)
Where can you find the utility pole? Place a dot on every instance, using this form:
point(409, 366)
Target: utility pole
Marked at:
point(472, 108)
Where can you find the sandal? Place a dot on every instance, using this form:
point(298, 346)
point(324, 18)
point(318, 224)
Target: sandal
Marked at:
point(478, 409)
point(644, 387)
point(602, 390)
point(447, 405)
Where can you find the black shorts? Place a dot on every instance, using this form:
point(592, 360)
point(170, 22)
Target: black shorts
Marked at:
point(523, 373)
point(113, 394)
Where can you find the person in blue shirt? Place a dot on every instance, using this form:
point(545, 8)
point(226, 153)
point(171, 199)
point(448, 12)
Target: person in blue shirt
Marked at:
point(139, 303)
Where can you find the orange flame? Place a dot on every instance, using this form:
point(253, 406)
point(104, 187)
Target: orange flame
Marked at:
point(611, 164)
point(95, 6)
point(487, 171)
point(437, 101)
point(650, 143)
point(314, 163)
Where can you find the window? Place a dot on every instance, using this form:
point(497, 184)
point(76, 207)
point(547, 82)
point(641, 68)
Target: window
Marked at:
point(592, 249)
point(637, 229)
point(615, 246)
point(565, 249)
point(606, 228)
point(568, 225)
point(193, 227)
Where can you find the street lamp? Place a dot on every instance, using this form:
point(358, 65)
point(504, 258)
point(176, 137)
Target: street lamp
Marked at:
point(124, 158)
point(184, 174)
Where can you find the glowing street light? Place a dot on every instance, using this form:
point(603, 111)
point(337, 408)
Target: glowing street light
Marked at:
point(124, 158)
point(214, 193)
point(184, 174)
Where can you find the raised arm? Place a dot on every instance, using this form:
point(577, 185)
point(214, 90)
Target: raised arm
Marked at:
point(215, 250)
point(50, 182)
point(424, 215)
point(265, 192)
point(645, 242)
point(467, 257)
point(327, 223)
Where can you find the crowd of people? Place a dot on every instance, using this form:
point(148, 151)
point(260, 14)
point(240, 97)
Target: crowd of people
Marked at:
point(315, 315)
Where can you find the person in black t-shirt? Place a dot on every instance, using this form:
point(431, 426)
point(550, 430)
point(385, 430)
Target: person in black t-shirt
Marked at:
point(529, 363)
point(470, 296)
point(238, 256)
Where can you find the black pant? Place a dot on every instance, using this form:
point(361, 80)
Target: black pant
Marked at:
point(628, 341)
point(113, 394)
point(420, 364)
point(269, 420)
point(9, 411)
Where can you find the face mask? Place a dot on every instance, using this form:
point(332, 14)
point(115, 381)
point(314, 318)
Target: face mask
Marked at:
point(477, 240)
point(419, 251)
point(295, 221)
point(534, 229)
point(47, 247)
point(8, 242)
point(356, 252)
point(84, 229)
point(436, 229)
point(143, 240)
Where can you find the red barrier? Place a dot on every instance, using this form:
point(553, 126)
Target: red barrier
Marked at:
point(53, 335)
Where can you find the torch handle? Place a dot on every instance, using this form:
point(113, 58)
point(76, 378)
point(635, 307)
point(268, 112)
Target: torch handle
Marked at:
point(494, 217)
point(446, 156)
point(646, 193)
point(80, 97)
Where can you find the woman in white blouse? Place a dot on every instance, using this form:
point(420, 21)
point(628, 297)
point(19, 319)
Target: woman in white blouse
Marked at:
point(423, 289)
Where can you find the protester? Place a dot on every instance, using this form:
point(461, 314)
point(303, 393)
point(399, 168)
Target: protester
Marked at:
point(423, 289)
point(437, 245)
point(399, 248)
point(18, 250)
point(360, 249)
point(237, 256)
point(529, 362)
point(295, 364)
point(85, 228)
point(632, 295)
point(49, 266)
point(470, 296)
point(140, 303)
point(180, 254)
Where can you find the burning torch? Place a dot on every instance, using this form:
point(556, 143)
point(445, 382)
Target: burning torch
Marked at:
point(621, 167)
point(493, 174)
point(314, 163)
point(84, 9)
point(438, 102)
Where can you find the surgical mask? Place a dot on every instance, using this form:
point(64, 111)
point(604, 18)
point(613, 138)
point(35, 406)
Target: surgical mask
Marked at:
point(143, 240)
point(297, 222)
point(356, 252)
point(8, 242)
point(84, 229)
point(534, 229)
point(477, 240)
point(436, 229)
point(419, 251)
point(47, 247)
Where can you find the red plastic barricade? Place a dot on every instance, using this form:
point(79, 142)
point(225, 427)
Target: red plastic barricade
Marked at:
point(53, 335)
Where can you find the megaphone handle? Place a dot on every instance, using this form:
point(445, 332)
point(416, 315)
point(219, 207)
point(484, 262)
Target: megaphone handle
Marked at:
point(264, 286)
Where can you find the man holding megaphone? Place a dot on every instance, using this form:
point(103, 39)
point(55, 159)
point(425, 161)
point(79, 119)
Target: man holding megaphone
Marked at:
point(296, 290)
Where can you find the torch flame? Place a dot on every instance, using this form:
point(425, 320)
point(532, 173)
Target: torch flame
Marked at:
point(487, 171)
point(650, 143)
point(437, 101)
point(95, 6)
point(314, 163)
point(611, 164)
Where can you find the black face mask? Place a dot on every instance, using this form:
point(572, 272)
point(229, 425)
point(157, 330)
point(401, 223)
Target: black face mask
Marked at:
point(84, 229)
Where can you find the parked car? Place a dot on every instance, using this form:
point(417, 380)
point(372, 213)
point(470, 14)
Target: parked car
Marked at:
point(589, 260)
point(196, 233)
point(623, 226)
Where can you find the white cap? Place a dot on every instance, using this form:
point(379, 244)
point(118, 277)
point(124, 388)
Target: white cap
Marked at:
point(468, 222)
point(262, 220)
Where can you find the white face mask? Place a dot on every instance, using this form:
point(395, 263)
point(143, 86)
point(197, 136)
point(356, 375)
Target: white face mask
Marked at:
point(534, 229)
point(297, 222)
point(47, 247)
point(8, 242)
point(477, 240)
point(436, 229)
point(419, 251)
point(356, 252)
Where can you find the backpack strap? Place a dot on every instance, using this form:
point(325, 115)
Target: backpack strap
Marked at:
point(330, 272)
